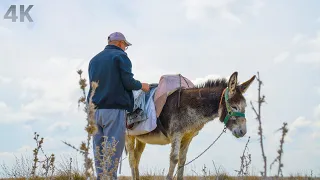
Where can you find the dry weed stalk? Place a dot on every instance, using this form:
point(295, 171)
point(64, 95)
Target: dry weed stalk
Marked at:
point(21, 169)
point(47, 163)
point(204, 170)
point(104, 157)
point(258, 114)
point(73, 147)
point(245, 161)
point(35, 154)
point(70, 170)
point(280, 151)
point(90, 128)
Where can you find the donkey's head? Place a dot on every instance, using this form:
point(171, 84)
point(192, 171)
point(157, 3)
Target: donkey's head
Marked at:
point(233, 104)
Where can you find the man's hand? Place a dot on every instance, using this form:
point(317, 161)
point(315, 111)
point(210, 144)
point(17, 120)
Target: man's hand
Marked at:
point(145, 87)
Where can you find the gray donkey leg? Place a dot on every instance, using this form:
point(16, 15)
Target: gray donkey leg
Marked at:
point(175, 148)
point(183, 155)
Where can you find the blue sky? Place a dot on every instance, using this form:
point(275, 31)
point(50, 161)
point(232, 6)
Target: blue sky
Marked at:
point(197, 38)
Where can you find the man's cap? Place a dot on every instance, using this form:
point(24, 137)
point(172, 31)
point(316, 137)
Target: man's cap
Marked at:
point(118, 36)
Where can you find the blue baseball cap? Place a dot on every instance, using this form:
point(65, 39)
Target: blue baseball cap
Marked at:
point(118, 36)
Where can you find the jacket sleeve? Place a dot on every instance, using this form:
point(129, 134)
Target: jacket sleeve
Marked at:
point(126, 75)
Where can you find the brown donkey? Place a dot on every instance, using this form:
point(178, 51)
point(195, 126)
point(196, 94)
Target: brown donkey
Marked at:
point(199, 105)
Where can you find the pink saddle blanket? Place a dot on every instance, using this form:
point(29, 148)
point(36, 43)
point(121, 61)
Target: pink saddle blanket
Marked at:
point(167, 85)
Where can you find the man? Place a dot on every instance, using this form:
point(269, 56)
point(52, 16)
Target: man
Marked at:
point(111, 68)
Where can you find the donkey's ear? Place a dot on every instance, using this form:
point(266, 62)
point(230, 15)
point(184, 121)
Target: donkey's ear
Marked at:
point(232, 84)
point(244, 86)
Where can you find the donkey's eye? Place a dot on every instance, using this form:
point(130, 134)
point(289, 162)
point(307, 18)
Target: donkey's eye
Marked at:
point(234, 107)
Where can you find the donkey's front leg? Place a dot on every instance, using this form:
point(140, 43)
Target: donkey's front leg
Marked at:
point(175, 148)
point(183, 155)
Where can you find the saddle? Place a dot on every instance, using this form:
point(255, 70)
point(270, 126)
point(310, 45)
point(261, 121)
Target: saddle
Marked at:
point(148, 106)
point(168, 84)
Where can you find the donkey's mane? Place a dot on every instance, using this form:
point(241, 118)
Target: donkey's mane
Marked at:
point(221, 82)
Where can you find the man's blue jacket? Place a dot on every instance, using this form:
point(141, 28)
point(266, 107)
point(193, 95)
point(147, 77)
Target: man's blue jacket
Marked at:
point(111, 68)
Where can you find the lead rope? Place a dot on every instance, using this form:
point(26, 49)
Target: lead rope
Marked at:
point(223, 131)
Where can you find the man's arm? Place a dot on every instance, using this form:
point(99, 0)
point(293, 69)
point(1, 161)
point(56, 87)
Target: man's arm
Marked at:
point(126, 74)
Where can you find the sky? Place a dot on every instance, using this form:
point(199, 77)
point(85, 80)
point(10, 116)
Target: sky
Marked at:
point(201, 39)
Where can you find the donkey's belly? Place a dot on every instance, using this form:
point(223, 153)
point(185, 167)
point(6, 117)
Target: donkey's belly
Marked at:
point(155, 137)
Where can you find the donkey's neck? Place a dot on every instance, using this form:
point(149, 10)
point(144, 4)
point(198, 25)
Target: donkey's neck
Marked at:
point(205, 102)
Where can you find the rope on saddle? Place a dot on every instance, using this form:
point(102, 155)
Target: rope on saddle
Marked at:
point(180, 87)
point(179, 91)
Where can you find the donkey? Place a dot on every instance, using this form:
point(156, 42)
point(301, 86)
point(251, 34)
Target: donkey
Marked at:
point(199, 105)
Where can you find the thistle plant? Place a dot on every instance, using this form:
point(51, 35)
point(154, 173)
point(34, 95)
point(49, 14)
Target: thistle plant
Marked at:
point(91, 128)
point(284, 130)
point(104, 158)
point(47, 163)
point(35, 154)
point(245, 161)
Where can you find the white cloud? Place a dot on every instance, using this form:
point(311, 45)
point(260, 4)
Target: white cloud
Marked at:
point(3, 106)
point(317, 114)
point(299, 123)
point(281, 57)
point(230, 16)
point(198, 9)
point(318, 90)
point(59, 126)
point(203, 80)
point(309, 58)
point(298, 38)
point(315, 42)
point(308, 52)
point(56, 89)
point(316, 135)
point(25, 148)
point(43, 106)
point(5, 32)
point(5, 80)
point(8, 115)
point(256, 6)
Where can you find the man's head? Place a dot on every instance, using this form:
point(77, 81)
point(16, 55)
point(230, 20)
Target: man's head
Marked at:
point(118, 39)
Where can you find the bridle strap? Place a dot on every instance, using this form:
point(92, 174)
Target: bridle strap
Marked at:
point(230, 113)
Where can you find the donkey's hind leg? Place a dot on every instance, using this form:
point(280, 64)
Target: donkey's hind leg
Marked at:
point(130, 141)
point(175, 147)
point(137, 155)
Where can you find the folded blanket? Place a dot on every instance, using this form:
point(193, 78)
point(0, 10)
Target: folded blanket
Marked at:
point(143, 118)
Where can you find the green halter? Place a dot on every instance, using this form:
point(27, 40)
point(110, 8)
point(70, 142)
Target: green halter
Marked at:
point(229, 109)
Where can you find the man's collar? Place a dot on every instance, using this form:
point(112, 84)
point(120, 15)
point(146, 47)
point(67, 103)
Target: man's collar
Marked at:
point(113, 47)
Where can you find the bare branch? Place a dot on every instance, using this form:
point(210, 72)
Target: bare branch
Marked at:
point(73, 147)
point(254, 109)
point(258, 114)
